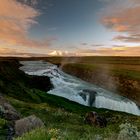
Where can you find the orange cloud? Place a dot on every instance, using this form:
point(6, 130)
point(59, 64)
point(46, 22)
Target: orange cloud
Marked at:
point(5, 51)
point(114, 51)
point(15, 21)
point(125, 20)
point(121, 28)
point(8, 51)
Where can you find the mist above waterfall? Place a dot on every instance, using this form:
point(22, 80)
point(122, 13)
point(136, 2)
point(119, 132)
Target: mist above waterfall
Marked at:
point(101, 74)
point(66, 60)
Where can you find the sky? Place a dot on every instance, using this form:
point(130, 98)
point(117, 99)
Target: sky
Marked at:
point(69, 28)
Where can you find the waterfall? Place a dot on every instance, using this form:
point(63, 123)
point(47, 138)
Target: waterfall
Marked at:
point(78, 90)
point(125, 106)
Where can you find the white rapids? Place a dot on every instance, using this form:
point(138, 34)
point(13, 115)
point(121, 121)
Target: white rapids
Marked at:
point(78, 90)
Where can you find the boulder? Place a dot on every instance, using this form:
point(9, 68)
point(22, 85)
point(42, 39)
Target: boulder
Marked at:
point(27, 124)
point(7, 110)
point(92, 118)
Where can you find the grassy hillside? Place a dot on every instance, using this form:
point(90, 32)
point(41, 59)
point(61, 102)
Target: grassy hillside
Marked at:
point(63, 119)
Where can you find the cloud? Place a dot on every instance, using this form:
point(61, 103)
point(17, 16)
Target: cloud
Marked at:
point(30, 2)
point(84, 44)
point(16, 19)
point(5, 51)
point(125, 20)
point(97, 45)
point(88, 45)
point(133, 38)
point(61, 53)
point(113, 51)
point(105, 1)
point(8, 50)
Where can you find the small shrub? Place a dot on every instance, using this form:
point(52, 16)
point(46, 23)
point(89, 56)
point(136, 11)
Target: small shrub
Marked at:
point(40, 134)
point(2, 123)
point(3, 129)
point(128, 131)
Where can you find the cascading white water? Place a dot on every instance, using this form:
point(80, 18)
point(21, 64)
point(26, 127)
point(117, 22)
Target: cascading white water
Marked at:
point(77, 90)
point(127, 106)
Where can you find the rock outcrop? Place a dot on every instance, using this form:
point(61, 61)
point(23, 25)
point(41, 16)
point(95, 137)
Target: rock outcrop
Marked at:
point(40, 82)
point(27, 124)
point(7, 111)
point(17, 126)
point(92, 118)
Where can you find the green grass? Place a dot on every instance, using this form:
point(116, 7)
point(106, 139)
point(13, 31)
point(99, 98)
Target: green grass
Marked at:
point(68, 118)
point(39, 134)
point(130, 72)
point(3, 128)
point(70, 124)
point(94, 60)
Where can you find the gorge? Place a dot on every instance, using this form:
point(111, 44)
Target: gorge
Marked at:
point(77, 90)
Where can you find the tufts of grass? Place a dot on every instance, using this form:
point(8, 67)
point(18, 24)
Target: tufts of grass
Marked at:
point(40, 134)
point(3, 129)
